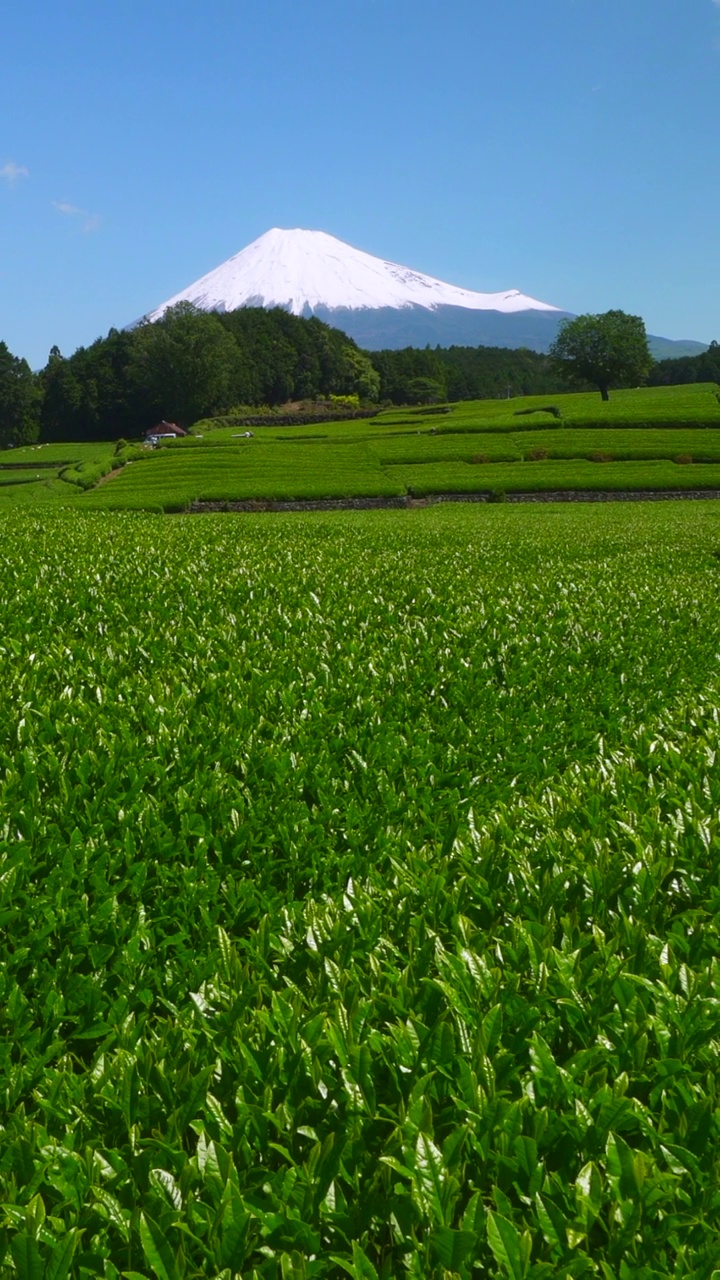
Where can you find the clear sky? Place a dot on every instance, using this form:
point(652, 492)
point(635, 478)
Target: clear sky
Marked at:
point(566, 148)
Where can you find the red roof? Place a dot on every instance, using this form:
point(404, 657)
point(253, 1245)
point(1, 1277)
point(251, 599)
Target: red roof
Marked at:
point(166, 429)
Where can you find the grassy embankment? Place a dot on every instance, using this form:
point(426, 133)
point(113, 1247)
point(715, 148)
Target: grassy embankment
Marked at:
point(653, 438)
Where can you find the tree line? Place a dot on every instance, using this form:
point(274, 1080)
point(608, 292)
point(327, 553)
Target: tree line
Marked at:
point(188, 365)
point(589, 352)
point(413, 376)
point(193, 364)
point(701, 368)
point(20, 400)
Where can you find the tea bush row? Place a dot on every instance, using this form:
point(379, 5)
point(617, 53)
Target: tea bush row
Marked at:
point(359, 897)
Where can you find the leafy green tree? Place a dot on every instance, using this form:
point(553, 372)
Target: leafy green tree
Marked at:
point(89, 396)
point(424, 391)
point(709, 363)
point(62, 396)
point(19, 400)
point(268, 355)
point(290, 357)
point(608, 350)
point(399, 370)
point(183, 367)
point(359, 376)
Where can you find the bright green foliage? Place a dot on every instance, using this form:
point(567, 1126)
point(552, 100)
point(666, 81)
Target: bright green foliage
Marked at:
point(358, 374)
point(614, 444)
point(37, 474)
point(359, 897)
point(173, 478)
point(464, 452)
point(397, 453)
point(34, 493)
point(57, 455)
point(542, 477)
point(639, 407)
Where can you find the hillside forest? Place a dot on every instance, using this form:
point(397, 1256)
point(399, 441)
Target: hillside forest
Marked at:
point(193, 364)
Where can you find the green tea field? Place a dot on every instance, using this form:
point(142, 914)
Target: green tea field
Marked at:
point(359, 896)
point(650, 439)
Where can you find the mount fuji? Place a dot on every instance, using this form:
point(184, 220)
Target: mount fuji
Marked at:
point(378, 303)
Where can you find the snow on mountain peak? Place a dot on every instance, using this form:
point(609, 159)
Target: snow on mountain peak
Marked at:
point(303, 270)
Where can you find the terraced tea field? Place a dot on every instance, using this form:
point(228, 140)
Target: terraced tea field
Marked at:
point(665, 439)
point(359, 893)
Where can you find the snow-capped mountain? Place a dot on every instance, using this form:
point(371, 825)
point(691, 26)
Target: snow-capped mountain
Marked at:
point(303, 270)
point(379, 303)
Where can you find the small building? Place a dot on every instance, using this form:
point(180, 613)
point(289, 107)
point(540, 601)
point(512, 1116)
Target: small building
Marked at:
point(164, 431)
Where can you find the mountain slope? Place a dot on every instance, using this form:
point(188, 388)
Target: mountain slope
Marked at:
point(386, 328)
point(303, 270)
point(379, 304)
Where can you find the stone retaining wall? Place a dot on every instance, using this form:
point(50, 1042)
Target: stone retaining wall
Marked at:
point(377, 504)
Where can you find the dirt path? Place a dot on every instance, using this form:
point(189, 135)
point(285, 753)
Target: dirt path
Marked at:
point(110, 476)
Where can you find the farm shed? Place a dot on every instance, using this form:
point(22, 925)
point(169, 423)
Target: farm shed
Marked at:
point(164, 431)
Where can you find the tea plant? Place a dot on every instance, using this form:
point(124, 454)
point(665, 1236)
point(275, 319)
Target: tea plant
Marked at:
point(358, 889)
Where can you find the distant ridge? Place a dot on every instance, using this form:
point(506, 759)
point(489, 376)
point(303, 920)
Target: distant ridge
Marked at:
point(674, 348)
point(376, 302)
point(445, 326)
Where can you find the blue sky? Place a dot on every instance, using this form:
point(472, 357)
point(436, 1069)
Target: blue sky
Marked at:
point(566, 148)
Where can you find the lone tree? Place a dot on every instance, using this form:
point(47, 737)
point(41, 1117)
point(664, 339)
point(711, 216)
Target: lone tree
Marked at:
point(609, 350)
